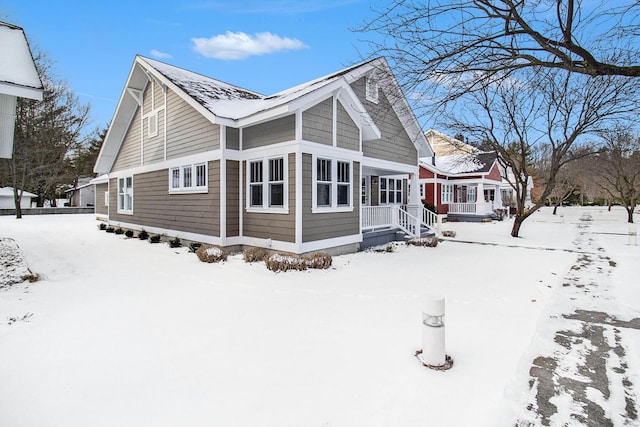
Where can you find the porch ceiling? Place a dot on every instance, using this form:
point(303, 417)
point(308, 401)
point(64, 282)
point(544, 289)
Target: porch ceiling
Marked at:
point(377, 171)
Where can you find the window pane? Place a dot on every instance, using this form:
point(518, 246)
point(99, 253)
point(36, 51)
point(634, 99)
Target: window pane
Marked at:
point(391, 197)
point(323, 172)
point(343, 195)
point(186, 176)
point(276, 170)
point(383, 197)
point(256, 172)
point(324, 194)
point(343, 172)
point(201, 176)
point(129, 182)
point(399, 196)
point(276, 194)
point(256, 195)
point(175, 178)
point(391, 184)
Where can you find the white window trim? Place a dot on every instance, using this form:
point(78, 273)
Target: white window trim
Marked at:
point(446, 195)
point(372, 88)
point(265, 208)
point(334, 186)
point(386, 190)
point(120, 208)
point(106, 198)
point(152, 118)
point(181, 189)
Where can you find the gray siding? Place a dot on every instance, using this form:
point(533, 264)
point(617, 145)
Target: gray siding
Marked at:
point(153, 206)
point(233, 198)
point(272, 225)
point(273, 132)
point(321, 226)
point(233, 138)
point(129, 154)
point(154, 145)
point(347, 133)
point(317, 123)
point(101, 208)
point(188, 132)
point(394, 145)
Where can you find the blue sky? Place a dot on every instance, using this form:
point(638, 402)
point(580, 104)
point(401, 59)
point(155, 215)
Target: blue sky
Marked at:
point(265, 46)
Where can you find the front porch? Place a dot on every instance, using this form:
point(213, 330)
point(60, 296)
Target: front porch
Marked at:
point(384, 224)
point(475, 211)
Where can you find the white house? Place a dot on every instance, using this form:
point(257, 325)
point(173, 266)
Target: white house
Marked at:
point(18, 78)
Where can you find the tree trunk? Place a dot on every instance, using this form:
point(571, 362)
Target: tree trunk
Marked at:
point(17, 199)
point(630, 214)
point(555, 209)
point(517, 222)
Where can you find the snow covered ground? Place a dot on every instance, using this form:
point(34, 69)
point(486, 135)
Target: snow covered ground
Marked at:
point(120, 332)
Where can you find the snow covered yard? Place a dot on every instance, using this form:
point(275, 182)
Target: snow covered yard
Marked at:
point(122, 332)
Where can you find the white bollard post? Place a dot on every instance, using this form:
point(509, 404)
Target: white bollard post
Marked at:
point(433, 351)
point(633, 236)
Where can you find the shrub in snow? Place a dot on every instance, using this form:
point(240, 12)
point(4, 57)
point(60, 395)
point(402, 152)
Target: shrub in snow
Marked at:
point(286, 261)
point(129, 233)
point(254, 254)
point(388, 248)
point(143, 235)
point(431, 242)
point(156, 238)
point(320, 260)
point(175, 243)
point(119, 231)
point(102, 226)
point(110, 230)
point(193, 246)
point(448, 233)
point(211, 253)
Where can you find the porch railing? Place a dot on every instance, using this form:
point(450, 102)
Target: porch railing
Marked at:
point(410, 219)
point(477, 208)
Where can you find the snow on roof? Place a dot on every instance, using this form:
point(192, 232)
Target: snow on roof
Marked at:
point(18, 74)
point(460, 163)
point(233, 102)
point(8, 192)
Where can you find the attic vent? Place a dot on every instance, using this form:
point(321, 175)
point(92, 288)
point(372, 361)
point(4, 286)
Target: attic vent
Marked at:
point(372, 88)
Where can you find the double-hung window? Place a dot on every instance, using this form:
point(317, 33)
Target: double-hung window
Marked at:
point(333, 184)
point(267, 183)
point(471, 194)
point(125, 195)
point(390, 191)
point(447, 193)
point(188, 179)
point(323, 182)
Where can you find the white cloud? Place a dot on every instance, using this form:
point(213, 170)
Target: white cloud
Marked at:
point(160, 55)
point(232, 46)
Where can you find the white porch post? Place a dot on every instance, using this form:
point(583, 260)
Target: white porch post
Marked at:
point(413, 206)
point(414, 193)
point(498, 198)
point(480, 203)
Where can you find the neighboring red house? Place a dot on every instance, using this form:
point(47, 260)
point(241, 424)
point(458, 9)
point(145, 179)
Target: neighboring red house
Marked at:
point(465, 187)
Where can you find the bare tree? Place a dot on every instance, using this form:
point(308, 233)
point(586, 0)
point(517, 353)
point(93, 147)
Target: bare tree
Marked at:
point(468, 44)
point(537, 123)
point(617, 169)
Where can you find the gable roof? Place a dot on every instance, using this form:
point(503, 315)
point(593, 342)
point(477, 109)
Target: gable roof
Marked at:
point(460, 164)
point(444, 145)
point(230, 105)
point(18, 73)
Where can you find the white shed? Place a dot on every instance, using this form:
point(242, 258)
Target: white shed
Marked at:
point(6, 199)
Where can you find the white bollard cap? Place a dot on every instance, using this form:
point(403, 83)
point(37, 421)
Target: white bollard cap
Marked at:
point(434, 306)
